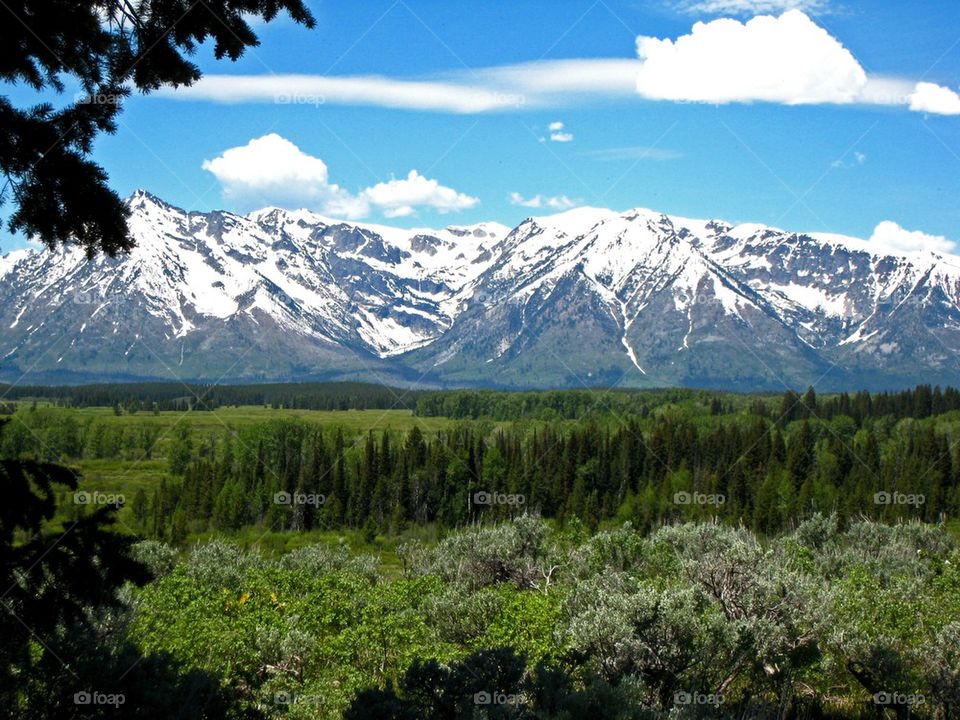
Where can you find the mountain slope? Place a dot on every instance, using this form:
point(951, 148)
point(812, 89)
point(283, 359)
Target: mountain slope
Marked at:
point(205, 296)
point(586, 297)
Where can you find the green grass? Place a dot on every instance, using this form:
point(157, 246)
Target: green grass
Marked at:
point(953, 527)
point(349, 420)
point(135, 472)
point(204, 423)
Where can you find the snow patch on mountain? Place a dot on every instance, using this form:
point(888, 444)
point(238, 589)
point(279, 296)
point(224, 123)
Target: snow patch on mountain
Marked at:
point(383, 292)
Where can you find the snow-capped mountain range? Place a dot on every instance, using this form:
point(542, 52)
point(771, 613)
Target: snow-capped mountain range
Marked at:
point(585, 297)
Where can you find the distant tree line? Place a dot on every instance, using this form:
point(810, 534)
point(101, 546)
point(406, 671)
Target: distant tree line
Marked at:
point(920, 402)
point(136, 397)
point(550, 404)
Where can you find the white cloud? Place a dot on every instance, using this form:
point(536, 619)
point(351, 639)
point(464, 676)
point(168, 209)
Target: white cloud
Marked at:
point(932, 98)
point(271, 170)
point(346, 206)
point(555, 202)
point(399, 198)
point(786, 59)
point(752, 7)
point(634, 152)
point(557, 82)
point(889, 236)
point(557, 133)
point(859, 158)
point(546, 83)
point(316, 90)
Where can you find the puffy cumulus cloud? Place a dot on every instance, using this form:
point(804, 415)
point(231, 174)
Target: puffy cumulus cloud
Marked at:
point(932, 98)
point(399, 198)
point(557, 132)
point(271, 170)
point(554, 202)
point(889, 236)
point(751, 7)
point(787, 59)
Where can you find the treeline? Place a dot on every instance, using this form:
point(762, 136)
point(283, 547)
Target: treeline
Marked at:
point(551, 404)
point(744, 469)
point(920, 402)
point(134, 397)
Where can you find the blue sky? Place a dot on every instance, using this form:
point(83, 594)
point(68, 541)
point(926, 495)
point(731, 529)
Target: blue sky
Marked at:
point(810, 122)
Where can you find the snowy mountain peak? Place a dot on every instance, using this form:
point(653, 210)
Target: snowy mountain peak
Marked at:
point(142, 199)
point(586, 296)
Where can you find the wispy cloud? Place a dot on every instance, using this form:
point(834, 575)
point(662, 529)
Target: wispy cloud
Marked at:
point(497, 89)
point(634, 152)
point(786, 59)
point(858, 158)
point(751, 7)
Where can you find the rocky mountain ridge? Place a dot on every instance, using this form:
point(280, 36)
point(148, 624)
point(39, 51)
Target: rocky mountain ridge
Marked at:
point(585, 297)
